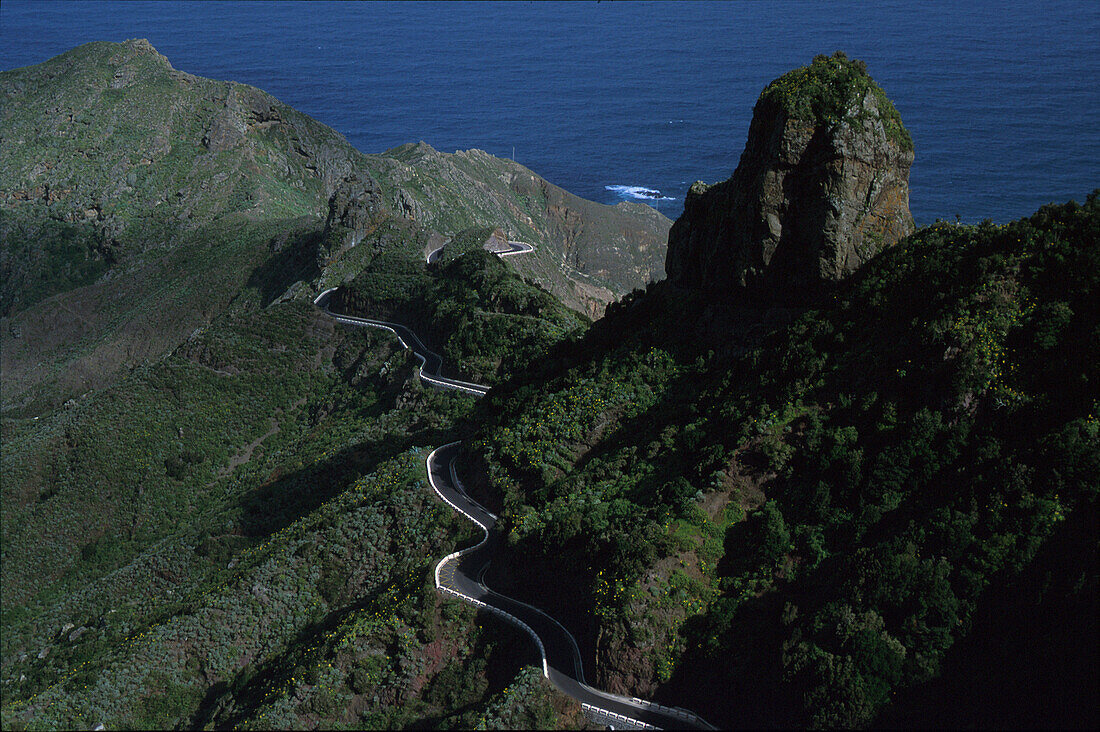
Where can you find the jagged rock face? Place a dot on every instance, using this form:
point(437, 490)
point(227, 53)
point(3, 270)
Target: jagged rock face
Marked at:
point(822, 186)
point(355, 208)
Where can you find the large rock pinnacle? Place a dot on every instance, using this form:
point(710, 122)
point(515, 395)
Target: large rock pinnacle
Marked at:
point(822, 186)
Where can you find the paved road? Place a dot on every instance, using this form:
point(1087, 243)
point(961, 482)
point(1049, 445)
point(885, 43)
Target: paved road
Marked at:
point(517, 247)
point(430, 361)
point(461, 573)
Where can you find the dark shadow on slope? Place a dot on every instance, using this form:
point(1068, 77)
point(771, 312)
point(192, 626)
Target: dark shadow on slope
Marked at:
point(293, 259)
point(286, 498)
point(1031, 658)
point(248, 691)
point(212, 705)
point(41, 256)
point(498, 654)
point(736, 682)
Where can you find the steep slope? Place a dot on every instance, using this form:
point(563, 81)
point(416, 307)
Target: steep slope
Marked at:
point(605, 251)
point(822, 186)
point(139, 201)
point(167, 186)
point(787, 516)
point(482, 318)
point(793, 535)
point(241, 535)
point(213, 507)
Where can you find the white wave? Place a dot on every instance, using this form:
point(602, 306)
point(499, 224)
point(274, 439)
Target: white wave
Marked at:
point(639, 193)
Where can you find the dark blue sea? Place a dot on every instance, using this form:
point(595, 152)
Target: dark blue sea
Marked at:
point(607, 99)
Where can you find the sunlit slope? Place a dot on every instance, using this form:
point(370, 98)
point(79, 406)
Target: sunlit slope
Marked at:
point(138, 200)
point(241, 534)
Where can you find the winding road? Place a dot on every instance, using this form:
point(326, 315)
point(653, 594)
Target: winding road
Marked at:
point(461, 573)
point(517, 247)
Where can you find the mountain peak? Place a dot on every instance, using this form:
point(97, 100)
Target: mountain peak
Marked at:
point(821, 187)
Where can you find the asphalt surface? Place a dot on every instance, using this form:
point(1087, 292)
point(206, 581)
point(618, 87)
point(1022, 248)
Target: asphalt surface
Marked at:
point(462, 573)
point(518, 247)
point(563, 667)
point(430, 362)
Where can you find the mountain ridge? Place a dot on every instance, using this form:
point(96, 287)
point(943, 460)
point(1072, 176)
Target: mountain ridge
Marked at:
point(784, 511)
point(116, 162)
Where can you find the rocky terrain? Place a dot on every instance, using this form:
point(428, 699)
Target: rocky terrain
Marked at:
point(822, 186)
point(852, 469)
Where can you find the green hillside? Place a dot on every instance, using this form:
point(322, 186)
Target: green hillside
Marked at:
point(139, 201)
point(242, 535)
point(214, 503)
point(486, 322)
point(798, 517)
point(872, 506)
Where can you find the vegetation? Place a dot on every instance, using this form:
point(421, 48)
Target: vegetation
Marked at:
point(214, 506)
point(483, 318)
point(243, 535)
point(213, 502)
point(70, 256)
point(139, 201)
point(817, 520)
point(831, 90)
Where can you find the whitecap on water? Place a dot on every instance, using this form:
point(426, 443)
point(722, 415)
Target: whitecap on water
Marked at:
point(639, 193)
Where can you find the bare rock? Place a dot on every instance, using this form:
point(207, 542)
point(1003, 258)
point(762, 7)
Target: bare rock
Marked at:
point(822, 186)
point(355, 209)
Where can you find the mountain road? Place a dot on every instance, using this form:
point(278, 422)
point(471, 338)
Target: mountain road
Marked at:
point(460, 574)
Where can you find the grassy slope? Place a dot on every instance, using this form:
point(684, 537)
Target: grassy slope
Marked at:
point(585, 252)
point(228, 523)
point(242, 534)
point(125, 204)
point(813, 523)
point(485, 321)
point(236, 489)
point(138, 201)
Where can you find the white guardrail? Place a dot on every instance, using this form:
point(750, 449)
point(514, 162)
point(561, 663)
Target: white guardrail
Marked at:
point(439, 382)
point(578, 668)
point(603, 713)
point(479, 390)
point(456, 555)
point(508, 616)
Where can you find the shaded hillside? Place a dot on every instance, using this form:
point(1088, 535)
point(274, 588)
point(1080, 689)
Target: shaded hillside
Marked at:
point(486, 322)
point(814, 524)
point(822, 496)
point(139, 201)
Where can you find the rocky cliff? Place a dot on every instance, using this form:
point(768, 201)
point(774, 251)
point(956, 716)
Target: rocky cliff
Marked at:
point(822, 186)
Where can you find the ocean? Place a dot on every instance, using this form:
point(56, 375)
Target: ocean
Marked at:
point(636, 100)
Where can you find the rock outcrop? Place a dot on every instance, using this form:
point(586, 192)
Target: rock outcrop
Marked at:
point(822, 186)
point(355, 209)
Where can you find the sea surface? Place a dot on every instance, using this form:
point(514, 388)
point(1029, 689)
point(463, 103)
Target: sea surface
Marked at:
point(636, 100)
